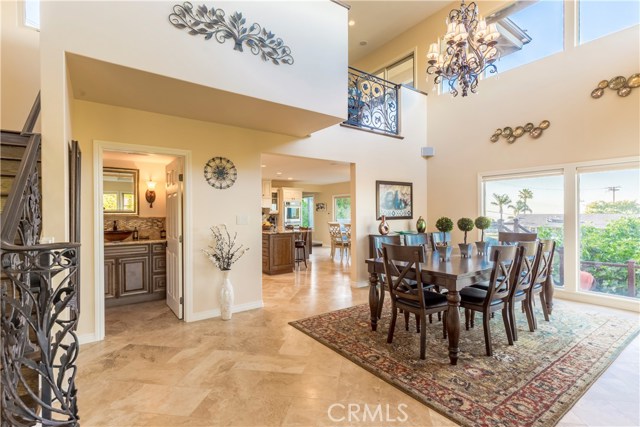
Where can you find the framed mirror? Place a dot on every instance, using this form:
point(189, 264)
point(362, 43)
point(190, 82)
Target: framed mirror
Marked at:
point(120, 191)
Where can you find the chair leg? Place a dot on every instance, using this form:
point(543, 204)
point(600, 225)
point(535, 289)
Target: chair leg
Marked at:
point(466, 318)
point(423, 337)
point(473, 318)
point(444, 325)
point(508, 327)
point(381, 300)
point(304, 256)
point(439, 316)
point(406, 320)
point(486, 319)
point(430, 318)
point(392, 325)
point(529, 313)
point(512, 321)
point(417, 322)
point(534, 323)
point(543, 303)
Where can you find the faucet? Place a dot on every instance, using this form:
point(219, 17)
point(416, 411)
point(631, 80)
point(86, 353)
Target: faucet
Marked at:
point(115, 225)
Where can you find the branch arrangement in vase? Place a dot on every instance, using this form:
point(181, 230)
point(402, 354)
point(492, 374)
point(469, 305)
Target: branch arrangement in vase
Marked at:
point(224, 251)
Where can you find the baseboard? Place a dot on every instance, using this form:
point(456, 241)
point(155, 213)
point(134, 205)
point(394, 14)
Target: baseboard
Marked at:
point(87, 338)
point(210, 314)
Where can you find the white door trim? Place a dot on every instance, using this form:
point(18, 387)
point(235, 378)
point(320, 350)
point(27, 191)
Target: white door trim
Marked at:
point(98, 236)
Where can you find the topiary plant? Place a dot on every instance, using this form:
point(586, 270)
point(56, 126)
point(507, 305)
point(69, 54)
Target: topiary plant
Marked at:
point(466, 225)
point(444, 225)
point(482, 223)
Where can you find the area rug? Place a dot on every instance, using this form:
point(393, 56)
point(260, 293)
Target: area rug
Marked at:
point(532, 383)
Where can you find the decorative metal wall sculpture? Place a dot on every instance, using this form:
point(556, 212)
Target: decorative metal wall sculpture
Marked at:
point(511, 134)
point(621, 85)
point(212, 23)
point(372, 103)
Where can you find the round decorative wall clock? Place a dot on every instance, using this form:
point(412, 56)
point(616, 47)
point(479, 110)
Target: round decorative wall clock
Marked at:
point(220, 173)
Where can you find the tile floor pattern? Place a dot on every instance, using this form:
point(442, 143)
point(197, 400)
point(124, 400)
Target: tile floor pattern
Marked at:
point(256, 370)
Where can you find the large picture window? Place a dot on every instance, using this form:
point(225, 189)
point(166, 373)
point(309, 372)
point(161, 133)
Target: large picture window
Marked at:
point(600, 18)
point(342, 209)
point(400, 72)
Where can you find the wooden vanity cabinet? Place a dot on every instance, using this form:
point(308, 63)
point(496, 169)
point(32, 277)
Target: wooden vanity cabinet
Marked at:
point(134, 273)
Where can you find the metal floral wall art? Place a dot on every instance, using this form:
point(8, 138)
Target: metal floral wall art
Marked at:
point(512, 134)
point(213, 23)
point(621, 85)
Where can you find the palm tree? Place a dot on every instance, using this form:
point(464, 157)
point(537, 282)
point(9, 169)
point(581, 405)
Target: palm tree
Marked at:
point(519, 207)
point(500, 201)
point(524, 195)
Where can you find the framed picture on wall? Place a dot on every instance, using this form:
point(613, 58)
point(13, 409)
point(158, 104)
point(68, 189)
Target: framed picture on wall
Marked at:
point(394, 199)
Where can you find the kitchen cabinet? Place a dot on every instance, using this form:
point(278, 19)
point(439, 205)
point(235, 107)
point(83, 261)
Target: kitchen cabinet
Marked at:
point(274, 202)
point(266, 193)
point(134, 272)
point(277, 252)
point(291, 194)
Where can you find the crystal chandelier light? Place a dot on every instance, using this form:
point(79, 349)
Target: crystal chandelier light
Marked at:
point(469, 52)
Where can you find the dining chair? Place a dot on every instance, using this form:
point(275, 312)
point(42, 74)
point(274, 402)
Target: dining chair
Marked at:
point(522, 281)
point(436, 237)
point(337, 240)
point(508, 237)
point(399, 262)
point(377, 243)
point(417, 239)
point(542, 277)
point(472, 299)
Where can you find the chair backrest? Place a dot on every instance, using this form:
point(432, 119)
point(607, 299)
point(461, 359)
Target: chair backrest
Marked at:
point(543, 266)
point(401, 264)
point(416, 239)
point(346, 234)
point(436, 237)
point(505, 259)
point(523, 274)
point(380, 240)
point(301, 236)
point(511, 237)
point(334, 230)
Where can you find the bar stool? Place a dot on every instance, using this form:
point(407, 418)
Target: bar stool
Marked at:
point(300, 247)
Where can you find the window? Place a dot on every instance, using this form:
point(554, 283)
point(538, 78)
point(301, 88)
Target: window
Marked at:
point(342, 209)
point(307, 211)
point(600, 18)
point(527, 203)
point(400, 72)
point(32, 13)
point(528, 32)
point(610, 230)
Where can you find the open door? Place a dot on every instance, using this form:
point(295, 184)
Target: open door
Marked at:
point(175, 290)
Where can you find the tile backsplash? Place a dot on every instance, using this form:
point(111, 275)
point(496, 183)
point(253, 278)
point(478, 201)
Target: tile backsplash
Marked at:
point(147, 226)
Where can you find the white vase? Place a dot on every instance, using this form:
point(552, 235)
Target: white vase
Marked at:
point(226, 296)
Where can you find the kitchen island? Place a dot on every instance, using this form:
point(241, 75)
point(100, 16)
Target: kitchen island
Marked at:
point(278, 252)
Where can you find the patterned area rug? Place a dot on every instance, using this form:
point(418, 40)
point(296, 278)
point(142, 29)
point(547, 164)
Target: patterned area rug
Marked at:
point(533, 383)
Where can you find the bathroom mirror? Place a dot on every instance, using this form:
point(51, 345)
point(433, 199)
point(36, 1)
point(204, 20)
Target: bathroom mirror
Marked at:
point(120, 191)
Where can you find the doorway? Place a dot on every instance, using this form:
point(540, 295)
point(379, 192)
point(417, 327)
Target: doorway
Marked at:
point(151, 268)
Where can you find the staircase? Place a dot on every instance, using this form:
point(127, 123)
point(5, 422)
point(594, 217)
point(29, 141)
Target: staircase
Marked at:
point(39, 294)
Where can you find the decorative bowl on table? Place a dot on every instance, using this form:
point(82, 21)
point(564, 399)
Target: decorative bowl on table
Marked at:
point(117, 236)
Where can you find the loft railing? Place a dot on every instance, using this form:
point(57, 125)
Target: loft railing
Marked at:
point(372, 103)
point(39, 301)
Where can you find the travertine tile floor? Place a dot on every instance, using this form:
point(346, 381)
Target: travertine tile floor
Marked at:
point(256, 370)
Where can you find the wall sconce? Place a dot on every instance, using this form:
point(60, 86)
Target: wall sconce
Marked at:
point(150, 194)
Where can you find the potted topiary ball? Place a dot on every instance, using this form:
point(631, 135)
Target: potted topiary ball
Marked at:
point(482, 223)
point(465, 225)
point(444, 225)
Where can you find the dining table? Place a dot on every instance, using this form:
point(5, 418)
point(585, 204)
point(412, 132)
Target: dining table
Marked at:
point(453, 274)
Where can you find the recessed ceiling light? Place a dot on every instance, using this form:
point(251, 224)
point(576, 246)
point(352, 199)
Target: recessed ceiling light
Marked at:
point(289, 178)
point(363, 43)
point(352, 22)
point(278, 173)
point(264, 166)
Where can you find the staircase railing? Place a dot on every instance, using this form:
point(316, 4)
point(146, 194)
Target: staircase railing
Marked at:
point(39, 302)
point(372, 103)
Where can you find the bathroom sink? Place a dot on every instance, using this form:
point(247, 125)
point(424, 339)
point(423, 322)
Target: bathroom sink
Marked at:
point(117, 236)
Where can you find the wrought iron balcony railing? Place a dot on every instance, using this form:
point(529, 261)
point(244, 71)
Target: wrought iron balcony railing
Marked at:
point(373, 103)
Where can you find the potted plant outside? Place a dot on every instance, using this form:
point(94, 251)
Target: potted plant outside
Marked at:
point(482, 223)
point(465, 225)
point(444, 225)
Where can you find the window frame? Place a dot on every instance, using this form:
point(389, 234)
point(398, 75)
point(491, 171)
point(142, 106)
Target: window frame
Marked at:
point(28, 19)
point(570, 170)
point(333, 204)
point(384, 70)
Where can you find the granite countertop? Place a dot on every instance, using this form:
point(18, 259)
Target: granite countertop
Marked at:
point(285, 232)
point(134, 242)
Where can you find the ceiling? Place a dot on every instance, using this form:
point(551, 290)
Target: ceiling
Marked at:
point(377, 22)
point(304, 170)
point(106, 83)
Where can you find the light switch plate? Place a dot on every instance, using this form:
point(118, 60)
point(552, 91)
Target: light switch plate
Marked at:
point(242, 220)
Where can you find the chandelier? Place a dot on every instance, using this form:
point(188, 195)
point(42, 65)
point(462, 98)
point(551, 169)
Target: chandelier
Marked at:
point(470, 50)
